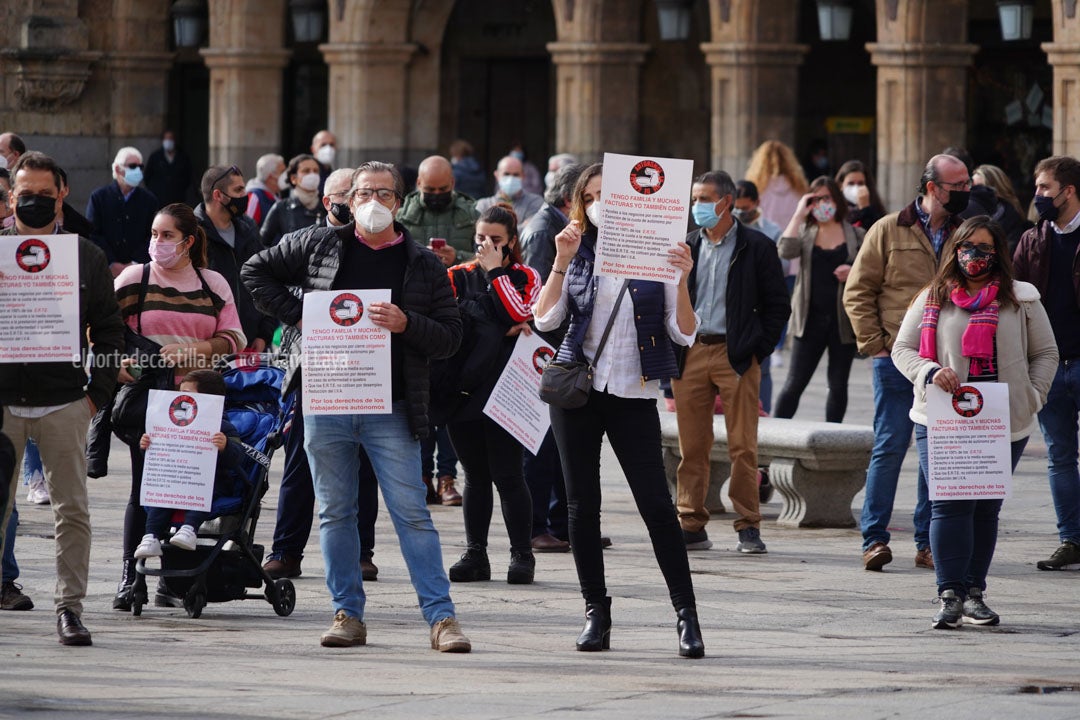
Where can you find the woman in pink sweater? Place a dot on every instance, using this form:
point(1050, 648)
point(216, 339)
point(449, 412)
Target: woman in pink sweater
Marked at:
point(186, 308)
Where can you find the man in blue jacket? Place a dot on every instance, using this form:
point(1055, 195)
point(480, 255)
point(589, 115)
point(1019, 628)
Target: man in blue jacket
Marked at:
point(122, 213)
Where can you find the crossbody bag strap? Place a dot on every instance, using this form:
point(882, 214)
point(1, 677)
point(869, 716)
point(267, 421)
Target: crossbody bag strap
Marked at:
point(610, 322)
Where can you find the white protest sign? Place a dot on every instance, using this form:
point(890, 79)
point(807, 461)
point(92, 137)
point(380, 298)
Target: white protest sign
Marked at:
point(968, 448)
point(645, 204)
point(346, 365)
point(181, 461)
point(39, 298)
point(515, 402)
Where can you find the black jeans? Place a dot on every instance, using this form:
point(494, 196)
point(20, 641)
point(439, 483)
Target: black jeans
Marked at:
point(821, 333)
point(543, 475)
point(491, 456)
point(633, 428)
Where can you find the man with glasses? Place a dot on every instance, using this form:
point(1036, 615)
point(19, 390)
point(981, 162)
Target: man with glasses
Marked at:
point(122, 212)
point(233, 238)
point(423, 319)
point(898, 258)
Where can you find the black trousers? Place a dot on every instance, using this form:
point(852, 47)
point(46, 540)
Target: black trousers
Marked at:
point(633, 428)
point(491, 456)
point(821, 334)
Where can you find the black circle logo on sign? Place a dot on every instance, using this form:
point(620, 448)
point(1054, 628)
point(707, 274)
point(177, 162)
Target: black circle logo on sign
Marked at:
point(967, 401)
point(647, 177)
point(183, 410)
point(541, 357)
point(346, 309)
point(33, 255)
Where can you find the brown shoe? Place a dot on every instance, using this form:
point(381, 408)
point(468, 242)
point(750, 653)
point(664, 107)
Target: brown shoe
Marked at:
point(287, 566)
point(447, 493)
point(432, 494)
point(548, 543)
point(925, 558)
point(368, 570)
point(876, 556)
point(446, 636)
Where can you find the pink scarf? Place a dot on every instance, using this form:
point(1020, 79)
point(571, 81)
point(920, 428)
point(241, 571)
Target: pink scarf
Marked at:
point(977, 342)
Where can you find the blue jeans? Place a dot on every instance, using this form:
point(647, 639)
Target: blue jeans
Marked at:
point(893, 397)
point(9, 568)
point(765, 389)
point(331, 442)
point(437, 453)
point(963, 533)
point(1058, 420)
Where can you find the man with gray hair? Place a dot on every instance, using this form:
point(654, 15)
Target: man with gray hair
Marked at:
point(264, 188)
point(538, 237)
point(556, 163)
point(122, 212)
point(509, 175)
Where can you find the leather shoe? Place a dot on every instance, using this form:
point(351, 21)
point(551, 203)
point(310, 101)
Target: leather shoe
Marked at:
point(690, 643)
point(447, 494)
point(925, 558)
point(71, 630)
point(286, 566)
point(548, 543)
point(432, 497)
point(369, 570)
point(876, 556)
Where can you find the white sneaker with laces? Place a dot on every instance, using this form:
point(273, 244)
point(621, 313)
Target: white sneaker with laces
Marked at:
point(38, 493)
point(148, 548)
point(184, 538)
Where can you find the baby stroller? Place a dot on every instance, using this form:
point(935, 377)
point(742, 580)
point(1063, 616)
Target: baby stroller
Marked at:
point(226, 562)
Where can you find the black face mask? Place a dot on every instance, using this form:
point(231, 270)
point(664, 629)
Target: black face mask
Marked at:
point(236, 206)
point(341, 212)
point(36, 211)
point(957, 202)
point(437, 202)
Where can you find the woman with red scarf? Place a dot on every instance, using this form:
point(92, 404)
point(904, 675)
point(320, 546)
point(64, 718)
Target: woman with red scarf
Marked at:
point(974, 323)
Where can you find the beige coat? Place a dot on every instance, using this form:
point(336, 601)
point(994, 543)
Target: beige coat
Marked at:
point(1027, 356)
point(803, 247)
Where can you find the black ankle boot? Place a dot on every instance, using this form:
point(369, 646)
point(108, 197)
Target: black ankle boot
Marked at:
point(122, 600)
point(472, 567)
point(690, 643)
point(597, 632)
point(522, 568)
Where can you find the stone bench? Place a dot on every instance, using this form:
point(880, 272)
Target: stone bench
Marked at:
point(817, 467)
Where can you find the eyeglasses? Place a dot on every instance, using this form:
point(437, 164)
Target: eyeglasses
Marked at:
point(233, 170)
point(965, 185)
point(134, 166)
point(981, 247)
point(384, 194)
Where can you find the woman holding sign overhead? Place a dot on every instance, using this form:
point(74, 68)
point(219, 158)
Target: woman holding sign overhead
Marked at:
point(182, 307)
point(974, 323)
point(495, 293)
point(642, 316)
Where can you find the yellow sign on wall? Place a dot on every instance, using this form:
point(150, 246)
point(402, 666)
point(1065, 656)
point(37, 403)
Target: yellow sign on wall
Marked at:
point(849, 125)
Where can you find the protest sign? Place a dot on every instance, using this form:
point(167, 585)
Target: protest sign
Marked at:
point(181, 461)
point(968, 447)
point(346, 361)
point(514, 403)
point(39, 298)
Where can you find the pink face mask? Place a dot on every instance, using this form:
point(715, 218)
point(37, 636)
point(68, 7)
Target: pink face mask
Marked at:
point(7, 222)
point(164, 254)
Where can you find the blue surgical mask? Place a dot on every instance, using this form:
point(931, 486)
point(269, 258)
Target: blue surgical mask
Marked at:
point(705, 214)
point(510, 185)
point(133, 176)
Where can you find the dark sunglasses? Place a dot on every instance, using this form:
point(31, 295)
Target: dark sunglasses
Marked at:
point(134, 166)
point(233, 170)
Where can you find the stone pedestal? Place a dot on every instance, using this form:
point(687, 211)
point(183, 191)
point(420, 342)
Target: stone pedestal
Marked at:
point(597, 97)
point(137, 93)
point(748, 103)
point(368, 109)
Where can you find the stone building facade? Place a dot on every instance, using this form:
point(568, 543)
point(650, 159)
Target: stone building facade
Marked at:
point(398, 79)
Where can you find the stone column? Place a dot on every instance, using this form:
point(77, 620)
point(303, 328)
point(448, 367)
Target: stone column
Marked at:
point(368, 109)
point(1064, 55)
point(749, 103)
point(138, 97)
point(597, 97)
point(921, 102)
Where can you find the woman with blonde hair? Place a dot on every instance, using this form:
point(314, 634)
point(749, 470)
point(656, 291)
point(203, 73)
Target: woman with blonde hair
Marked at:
point(780, 180)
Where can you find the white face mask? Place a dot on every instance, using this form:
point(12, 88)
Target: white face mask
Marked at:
point(549, 178)
point(326, 154)
point(168, 145)
point(373, 216)
point(310, 182)
point(851, 193)
point(3, 163)
point(283, 180)
point(593, 212)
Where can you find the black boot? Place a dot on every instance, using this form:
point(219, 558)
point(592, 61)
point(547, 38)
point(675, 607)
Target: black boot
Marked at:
point(122, 600)
point(596, 634)
point(472, 567)
point(690, 643)
point(522, 568)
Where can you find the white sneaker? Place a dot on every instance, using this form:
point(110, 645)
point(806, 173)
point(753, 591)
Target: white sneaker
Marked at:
point(148, 548)
point(776, 360)
point(184, 538)
point(38, 494)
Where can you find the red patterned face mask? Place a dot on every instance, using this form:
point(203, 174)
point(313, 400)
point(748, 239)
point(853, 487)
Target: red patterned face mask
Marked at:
point(973, 262)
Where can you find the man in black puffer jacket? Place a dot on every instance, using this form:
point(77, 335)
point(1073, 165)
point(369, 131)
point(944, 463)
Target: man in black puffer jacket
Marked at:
point(422, 317)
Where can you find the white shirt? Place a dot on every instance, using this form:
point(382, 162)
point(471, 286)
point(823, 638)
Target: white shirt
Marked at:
point(619, 370)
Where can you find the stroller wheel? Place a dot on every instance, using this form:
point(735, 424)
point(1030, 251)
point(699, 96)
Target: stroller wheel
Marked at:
point(283, 597)
point(194, 602)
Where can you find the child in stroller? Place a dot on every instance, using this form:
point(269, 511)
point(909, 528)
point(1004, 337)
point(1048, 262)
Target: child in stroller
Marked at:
point(230, 457)
point(222, 562)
